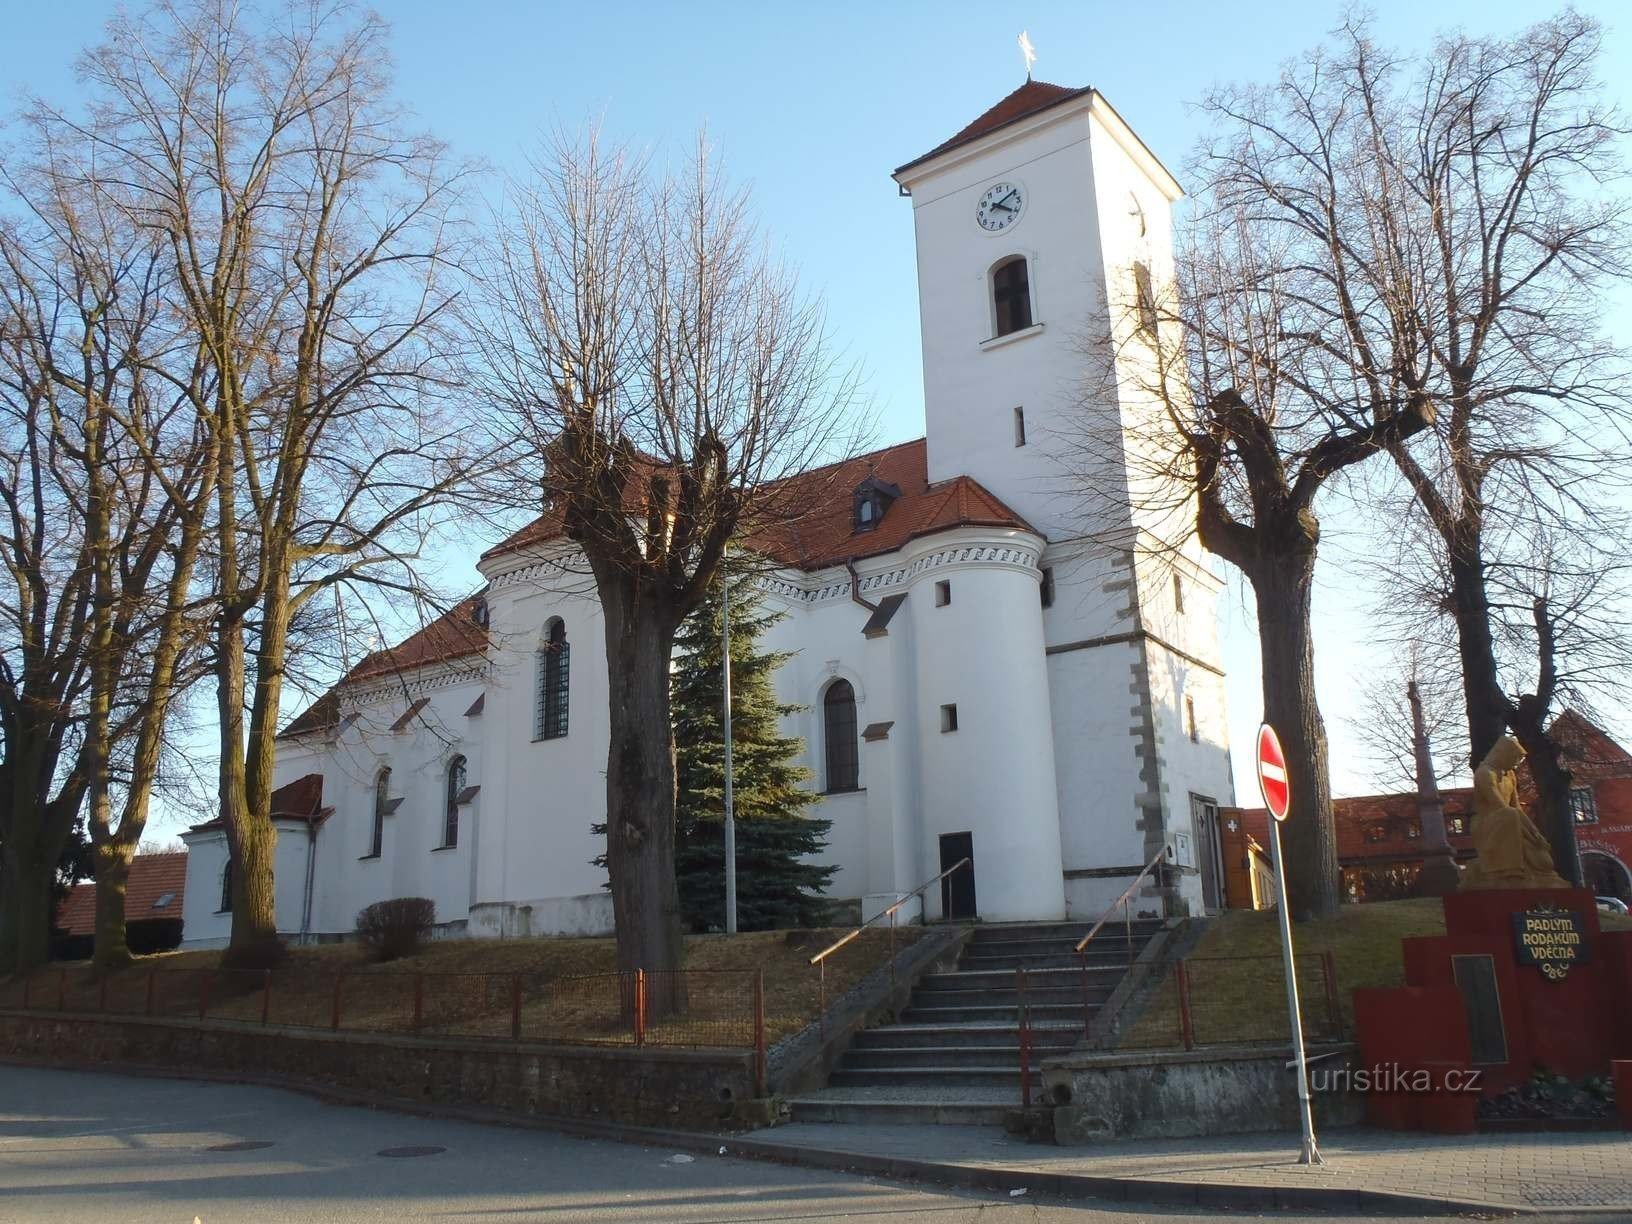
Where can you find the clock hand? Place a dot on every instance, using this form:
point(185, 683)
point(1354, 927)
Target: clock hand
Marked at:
point(1009, 197)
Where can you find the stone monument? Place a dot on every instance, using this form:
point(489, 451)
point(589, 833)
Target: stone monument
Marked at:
point(1512, 852)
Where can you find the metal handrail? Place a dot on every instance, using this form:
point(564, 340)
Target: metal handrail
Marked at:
point(1127, 893)
point(820, 959)
point(886, 913)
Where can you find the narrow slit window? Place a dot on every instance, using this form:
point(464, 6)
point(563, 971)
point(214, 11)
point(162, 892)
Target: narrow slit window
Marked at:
point(1019, 426)
point(1146, 295)
point(450, 810)
point(554, 674)
point(1190, 719)
point(1178, 594)
point(1045, 589)
point(949, 718)
point(943, 593)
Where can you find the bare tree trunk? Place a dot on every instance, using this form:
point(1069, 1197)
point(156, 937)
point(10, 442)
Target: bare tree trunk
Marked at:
point(112, 876)
point(640, 791)
point(1481, 690)
point(1283, 592)
point(28, 865)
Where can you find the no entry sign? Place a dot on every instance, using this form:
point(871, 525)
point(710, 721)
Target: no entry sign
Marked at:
point(1272, 773)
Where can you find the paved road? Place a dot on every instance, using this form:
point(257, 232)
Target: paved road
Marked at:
point(85, 1148)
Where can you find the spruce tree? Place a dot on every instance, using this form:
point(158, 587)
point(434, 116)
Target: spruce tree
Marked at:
point(776, 887)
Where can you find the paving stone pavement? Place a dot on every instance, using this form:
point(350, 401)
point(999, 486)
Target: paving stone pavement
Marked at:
point(1512, 1172)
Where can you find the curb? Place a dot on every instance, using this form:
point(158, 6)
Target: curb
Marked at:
point(1136, 1190)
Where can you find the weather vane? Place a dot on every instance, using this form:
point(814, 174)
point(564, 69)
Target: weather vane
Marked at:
point(1027, 50)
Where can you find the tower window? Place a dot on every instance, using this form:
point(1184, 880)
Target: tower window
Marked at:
point(943, 593)
point(1146, 295)
point(839, 732)
point(226, 888)
point(1190, 719)
point(1011, 296)
point(1019, 426)
point(1045, 589)
point(949, 717)
point(1178, 594)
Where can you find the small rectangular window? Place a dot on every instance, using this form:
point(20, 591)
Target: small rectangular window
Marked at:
point(943, 593)
point(1045, 589)
point(1019, 426)
point(1178, 594)
point(949, 718)
point(1584, 805)
point(1190, 718)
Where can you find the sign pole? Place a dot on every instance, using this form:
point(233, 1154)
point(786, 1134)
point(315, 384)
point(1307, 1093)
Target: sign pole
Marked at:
point(1310, 1155)
point(1276, 788)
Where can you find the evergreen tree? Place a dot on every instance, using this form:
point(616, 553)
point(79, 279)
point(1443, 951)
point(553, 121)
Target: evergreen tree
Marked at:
point(775, 886)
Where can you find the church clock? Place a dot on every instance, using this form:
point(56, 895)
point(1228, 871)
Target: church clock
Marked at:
point(1000, 207)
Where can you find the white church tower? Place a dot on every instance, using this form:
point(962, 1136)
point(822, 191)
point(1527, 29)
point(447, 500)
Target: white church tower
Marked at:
point(1027, 221)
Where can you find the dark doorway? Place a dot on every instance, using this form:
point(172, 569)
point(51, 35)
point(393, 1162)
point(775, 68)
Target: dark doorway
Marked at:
point(1209, 851)
point(958, 889)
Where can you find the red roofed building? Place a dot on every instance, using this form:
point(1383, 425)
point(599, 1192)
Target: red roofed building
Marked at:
point(1379, 837)
point(991, 661)
point(154, 903)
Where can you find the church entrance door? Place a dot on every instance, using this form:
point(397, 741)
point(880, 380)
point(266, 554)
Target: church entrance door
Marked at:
point(958, 889)
point(1209, 851)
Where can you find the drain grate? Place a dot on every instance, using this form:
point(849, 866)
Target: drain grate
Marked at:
point(410, 1151)
point(241, 1145)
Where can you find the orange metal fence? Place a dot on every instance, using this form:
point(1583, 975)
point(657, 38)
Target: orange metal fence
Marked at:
point(681, 1008)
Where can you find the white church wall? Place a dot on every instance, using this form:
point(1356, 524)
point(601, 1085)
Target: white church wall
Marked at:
point(539, 855)
point(981, 651)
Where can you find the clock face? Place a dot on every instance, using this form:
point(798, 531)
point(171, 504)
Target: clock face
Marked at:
point(1000, 207)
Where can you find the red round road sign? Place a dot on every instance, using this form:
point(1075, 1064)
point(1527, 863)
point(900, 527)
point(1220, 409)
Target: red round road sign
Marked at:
point(1272, 781)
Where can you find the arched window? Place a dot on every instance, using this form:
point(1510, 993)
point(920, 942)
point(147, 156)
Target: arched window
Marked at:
point(226, 888)
point(554, 657)
point(382, 804)
point(456, 787)
point(1011, 296)
point(839, 734)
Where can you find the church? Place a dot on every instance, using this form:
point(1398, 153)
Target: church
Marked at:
point(989, 664)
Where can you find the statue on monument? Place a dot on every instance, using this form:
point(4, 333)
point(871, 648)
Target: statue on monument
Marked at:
point(1512, 853)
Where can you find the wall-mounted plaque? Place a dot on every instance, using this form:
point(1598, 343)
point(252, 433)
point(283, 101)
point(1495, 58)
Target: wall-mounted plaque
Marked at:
point(1551, 939)
point(1487, 1035)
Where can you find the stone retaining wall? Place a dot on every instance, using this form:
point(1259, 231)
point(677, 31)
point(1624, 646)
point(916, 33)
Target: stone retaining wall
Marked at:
point(692, 1089)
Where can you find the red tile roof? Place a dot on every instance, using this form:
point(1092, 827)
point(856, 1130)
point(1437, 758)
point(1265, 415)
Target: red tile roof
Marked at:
point(810, 516)
point(809, 523)
point(1029, 99)
point(453, 635)
point(152, 877)
point(301, 799)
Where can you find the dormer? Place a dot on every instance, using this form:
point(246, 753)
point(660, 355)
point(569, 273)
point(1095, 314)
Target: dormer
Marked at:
point(873, 498)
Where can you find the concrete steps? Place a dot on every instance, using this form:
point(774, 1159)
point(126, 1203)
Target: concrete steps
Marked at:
point(953, 1056)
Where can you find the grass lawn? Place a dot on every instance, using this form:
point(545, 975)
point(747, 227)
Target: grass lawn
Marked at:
point(1238, 989)
point(566, 989)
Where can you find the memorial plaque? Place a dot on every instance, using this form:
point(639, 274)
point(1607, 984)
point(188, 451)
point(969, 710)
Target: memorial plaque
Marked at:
point(1482, 1000)
point(1551, 939)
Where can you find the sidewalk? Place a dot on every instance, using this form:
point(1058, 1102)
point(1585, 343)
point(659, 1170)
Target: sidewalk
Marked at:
point(1368, 1169)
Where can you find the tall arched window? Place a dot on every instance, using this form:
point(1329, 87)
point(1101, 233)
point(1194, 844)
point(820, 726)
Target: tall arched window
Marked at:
point(226, 888)
point(554, 657)
point(450, 809)
point(839, 734)
point(1011, 296)
point(382, 803)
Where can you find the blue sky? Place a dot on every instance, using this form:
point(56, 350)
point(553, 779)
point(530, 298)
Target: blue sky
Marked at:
point(814, 104)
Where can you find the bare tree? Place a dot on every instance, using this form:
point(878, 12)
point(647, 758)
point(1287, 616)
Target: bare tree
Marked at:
point(658, 372)
point(1236, 408)
point(308, 235)
point(1469, 197)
